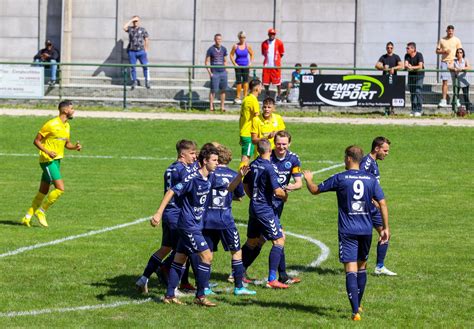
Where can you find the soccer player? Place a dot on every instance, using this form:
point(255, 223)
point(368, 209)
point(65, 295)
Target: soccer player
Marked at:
point(51, 140)
point(287, 165)
point(355, 190)
point(250, 109)
point(261, 185)
point(380, 149)
point(192, 195)
point(219, 223)
point(174, 175)
point(267, 124)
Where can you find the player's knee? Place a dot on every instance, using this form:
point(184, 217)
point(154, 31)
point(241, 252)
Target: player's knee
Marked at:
point(180, 258)
point(279, 242)
point(206, 256)
point(252, 243)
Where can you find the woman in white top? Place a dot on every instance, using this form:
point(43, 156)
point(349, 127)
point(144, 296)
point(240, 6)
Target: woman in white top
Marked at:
point(459, 69)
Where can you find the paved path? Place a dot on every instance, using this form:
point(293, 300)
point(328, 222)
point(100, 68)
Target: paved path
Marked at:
point(231, 117)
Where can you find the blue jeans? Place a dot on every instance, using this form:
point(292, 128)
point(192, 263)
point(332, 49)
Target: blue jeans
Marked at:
point(415, 85)
point(54, 68)
point(133, 56)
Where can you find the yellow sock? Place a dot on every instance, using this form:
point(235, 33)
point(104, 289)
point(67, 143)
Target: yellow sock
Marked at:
point(35, 204)
point(53, 196)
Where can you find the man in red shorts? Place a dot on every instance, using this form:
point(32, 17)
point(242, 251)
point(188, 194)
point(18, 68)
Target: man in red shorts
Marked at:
point(272, 50)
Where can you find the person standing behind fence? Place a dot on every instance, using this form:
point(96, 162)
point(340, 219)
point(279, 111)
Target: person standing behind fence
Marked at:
point(414, 63)
point(447, 49)
point(49, 54)
point(137, 49)
point(459, 69)
point(243, 53)
point(272, 51)
point(389, 63)
point(217, 55)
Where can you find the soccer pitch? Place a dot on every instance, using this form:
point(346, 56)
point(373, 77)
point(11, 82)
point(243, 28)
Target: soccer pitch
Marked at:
point(87, 280)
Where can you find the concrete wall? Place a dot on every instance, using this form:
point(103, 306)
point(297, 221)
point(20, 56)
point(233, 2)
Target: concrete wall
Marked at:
point(330, 33)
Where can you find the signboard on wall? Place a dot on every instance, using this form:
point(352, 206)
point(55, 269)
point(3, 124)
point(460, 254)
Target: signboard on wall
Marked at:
point(352, 90)
point(21, 81)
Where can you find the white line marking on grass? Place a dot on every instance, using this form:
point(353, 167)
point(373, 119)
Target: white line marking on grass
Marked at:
point(328, 168)
point(92, 156)
point(73, 309)
point(72, 237)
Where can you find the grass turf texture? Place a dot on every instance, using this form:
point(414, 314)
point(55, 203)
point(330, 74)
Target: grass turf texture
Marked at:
point(427, 180)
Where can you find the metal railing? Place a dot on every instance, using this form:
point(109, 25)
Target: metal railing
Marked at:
point(185, 85)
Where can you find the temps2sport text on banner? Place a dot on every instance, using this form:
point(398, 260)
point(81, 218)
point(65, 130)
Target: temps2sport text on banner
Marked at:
point(352, 90)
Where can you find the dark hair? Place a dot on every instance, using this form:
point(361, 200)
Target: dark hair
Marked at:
point(185, 144)
point(313, 65)
point(411, 44)
point(463, 52)
point(263, 146)
point(450, 27)
point(268, 100)
point(355, 153)
point(282, 133)
point(254, 83)
point(64, 104)
point(207, 150)
point(217, 35)
point(390, 43)
point(379, 141)
point(298, 65)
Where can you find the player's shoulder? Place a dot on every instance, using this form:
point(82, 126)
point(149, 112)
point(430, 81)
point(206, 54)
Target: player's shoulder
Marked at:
point(293, 156)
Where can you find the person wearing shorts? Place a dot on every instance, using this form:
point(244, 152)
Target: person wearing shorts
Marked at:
point(241, 55)
point(249, 110)
point(272, 51)
point(217, 56)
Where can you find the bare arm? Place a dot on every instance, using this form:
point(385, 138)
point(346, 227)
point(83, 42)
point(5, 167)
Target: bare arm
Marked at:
point(156, 219)
point(399, 66)
point(296, 185)
point(238, 179)
point(38, 142)
point(126, 25)
point(208, 62)
point(281, 194)
point(147, 44)
point(71, 146)
point(312, 188)
point(379, 66)
point(251, 54)
point(385, 234)
point(232, 53)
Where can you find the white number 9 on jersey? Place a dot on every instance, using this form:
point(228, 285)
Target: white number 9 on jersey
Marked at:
point(358, 188)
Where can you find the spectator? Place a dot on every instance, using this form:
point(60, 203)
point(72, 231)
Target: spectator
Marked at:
point(243, 53)
point(447, 49)
point(389, 63)
point(266, 124)
point(51, 55)
point(459, 69)
point(414, 63)
point(313, 68)
point(137, 49)
point(272, 51)
point(217, 55)
point(292, 90)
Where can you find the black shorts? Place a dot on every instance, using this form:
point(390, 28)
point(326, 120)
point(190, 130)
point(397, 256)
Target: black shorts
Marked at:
point(241, 75)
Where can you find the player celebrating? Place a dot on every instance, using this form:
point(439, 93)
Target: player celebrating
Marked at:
point(267, 124)
point(261, 184)
point(355, 190)
point(192, 196)
point(380, 149)
point(174, 175)
point(219, 224)
point(51, 140)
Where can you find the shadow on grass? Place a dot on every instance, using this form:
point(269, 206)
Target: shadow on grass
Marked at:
point(123, 286)
point(318, 270)
point(10, 222)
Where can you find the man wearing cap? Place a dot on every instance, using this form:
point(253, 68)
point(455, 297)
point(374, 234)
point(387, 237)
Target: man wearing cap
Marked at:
point(51, 55)
point(272, 51)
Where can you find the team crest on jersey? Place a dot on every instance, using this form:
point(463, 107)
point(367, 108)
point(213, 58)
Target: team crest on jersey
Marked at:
point(288, 165)
point(179, 186)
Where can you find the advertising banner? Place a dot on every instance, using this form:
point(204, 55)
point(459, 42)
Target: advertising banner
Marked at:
point(21, 81)
point(352, 90)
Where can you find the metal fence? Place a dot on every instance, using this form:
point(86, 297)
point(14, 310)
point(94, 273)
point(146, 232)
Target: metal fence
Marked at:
point(188, 86)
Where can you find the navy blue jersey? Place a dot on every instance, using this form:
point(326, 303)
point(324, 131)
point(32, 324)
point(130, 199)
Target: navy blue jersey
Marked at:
point(262, 180)
point(287, 167)
point(368, 164)
point(219, 210)
point(355, 190)
point(192, 198)
point(175, 174)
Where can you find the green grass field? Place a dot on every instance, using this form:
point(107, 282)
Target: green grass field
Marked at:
point(427, 179)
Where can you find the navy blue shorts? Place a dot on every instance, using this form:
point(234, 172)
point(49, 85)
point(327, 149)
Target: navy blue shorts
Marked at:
point(266, 224)
point(191, 242)
point(170, 236)
point(353, 248)
point(218, 81)
point(229, 237)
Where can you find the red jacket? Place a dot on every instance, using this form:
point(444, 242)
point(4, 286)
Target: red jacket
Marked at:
point(279, 51)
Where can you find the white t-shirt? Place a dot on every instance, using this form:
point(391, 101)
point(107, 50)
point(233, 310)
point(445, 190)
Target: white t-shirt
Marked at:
point(271, 53)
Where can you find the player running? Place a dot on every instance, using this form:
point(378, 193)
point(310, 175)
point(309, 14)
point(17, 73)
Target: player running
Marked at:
point(174, 174)
point(261, 185)
point(219, 223)
point(355, 190)
point(51, 140)
point(380, 149)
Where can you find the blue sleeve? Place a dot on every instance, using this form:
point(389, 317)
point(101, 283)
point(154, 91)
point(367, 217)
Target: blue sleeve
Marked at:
point(273, 177)
point(182, 188)
point(225, 51)
point(378, 192)
point(329, 184)
point(397, 58)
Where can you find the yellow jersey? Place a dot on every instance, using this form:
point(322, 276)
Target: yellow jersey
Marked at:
point(55, 135)
point(262, 127)
point(250, 106)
